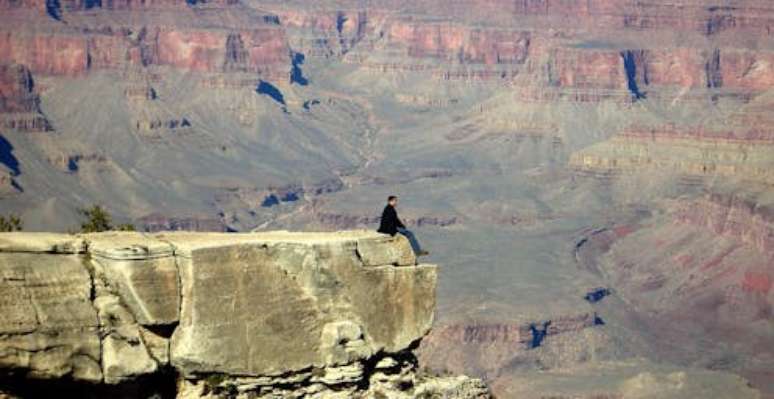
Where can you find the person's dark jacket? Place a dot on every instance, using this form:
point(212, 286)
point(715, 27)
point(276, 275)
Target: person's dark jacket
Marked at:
point(390, 222)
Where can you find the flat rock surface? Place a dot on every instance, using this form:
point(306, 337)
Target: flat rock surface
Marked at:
point(41, 242)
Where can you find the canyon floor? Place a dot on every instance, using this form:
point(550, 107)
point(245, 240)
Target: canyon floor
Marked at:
point(594, 178)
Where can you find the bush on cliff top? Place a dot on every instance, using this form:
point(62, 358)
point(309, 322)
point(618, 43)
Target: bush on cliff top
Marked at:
point(10, 223)
point(98, 219)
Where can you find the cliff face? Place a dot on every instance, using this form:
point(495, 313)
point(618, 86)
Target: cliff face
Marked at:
point(74, 40)
point(20, 101)
point(271, 314)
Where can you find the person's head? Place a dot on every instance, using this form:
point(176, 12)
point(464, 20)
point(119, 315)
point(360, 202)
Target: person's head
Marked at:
point(392, 200)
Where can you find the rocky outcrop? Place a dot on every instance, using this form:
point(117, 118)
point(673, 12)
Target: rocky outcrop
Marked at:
point(733, 216)
point(256, 50)
point(696, 151)
point(81, 49)
point(72, 163)
point(331, 32)
point(485, 349)
point(8, 185)
point(156, 222)
point(263, 315)
point(17, 90)
point(19, 100)
point(464, 44)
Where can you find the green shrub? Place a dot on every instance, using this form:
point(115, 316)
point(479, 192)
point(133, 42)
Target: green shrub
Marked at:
point(10, 223)
point(98, 219)
point(126, 227)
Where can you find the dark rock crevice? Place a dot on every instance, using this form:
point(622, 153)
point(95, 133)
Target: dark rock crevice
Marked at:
point(296, 74)
point(636, 72)
point(597, 294)
point(719, 22)
point(7, 157)
point(714, 74)
point(271, 91)
point(54, 9)
point(236, 54)
point(539, 333)
point(161, 385)
point(341, 19)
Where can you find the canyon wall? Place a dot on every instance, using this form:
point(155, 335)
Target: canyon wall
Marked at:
point(85, 39)
point(266, 314)
point(20, 101)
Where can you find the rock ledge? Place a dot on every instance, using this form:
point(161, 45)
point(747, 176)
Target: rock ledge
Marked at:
point(276, 314)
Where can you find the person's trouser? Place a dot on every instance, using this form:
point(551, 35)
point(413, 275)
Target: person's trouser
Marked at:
point(412, 239)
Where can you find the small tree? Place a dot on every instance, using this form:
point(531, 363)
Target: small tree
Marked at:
point(10, 223)
point(126, 227)
point(98, 219)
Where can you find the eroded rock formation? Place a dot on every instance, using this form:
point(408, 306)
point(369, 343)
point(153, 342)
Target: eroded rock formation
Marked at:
point(19, 100)
point(265, 314)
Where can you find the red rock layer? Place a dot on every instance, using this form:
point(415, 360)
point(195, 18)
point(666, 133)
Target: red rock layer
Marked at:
point(485, 349)
point(46, 53)
point(332, 32)
point(461, 50)
point(732, 216)
point(457, 50)
point(67, 6)
point(497, 55)
point(522, 335)
point(463, 44)
point(261, 50)
point(736, 148)
point(712, 265)
point(688, 15)
point(751, 135)
point(17, 90)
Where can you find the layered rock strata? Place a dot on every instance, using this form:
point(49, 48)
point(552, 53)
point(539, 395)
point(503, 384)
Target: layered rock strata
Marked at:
point(263, 314)
point(19, 100)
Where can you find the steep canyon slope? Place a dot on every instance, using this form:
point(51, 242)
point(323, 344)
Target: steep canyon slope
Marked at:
point(594, 175)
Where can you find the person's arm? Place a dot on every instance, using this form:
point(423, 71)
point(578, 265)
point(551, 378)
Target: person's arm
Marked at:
point(398, 222)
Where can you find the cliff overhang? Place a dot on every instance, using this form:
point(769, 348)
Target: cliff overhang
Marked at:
point(276, 313)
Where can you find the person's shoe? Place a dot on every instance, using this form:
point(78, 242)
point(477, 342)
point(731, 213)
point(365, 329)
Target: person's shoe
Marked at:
point(423, 253)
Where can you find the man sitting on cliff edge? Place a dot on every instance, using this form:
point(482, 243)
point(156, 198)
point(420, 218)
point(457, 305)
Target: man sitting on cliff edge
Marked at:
point(391, 225)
